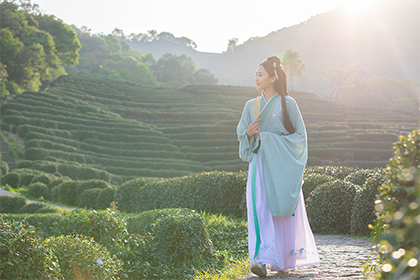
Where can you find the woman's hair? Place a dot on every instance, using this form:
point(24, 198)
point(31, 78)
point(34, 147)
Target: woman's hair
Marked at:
point(274, 68)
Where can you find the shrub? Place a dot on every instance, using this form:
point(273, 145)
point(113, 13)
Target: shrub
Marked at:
point(11, 179)
point(129, 195)
point(313, 180)
point(22, 254)
point(24, 164)
point(88, 198)
point(31, 208)
point(105, 197)
point(4, 167)
point(179, 236)
point(360, 176)
point(80, 257)
point(26, 179)
point(396, 229)
point(106, 227)
point(340, 172)
point(363, 213)
point(43, 178)
point(329, 207)
point(67, 192)
point(215, 192)
point(11, 203)
point(38, 190)
point(46, 210)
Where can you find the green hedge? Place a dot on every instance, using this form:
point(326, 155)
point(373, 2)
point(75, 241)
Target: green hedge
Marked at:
point(312, 181)
point(22, 254)
point(215, 192)
point(92, 150)
point(72, 192)
point(360, 176)
point(339, 172)
point(363, 213)
point(11, 203)
point(330, 205)
point(4, 168)
point(11, 179)
point(38, 190)
point(80, 257)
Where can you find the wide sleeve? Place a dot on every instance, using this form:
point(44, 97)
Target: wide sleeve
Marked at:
point(245, 144)
point(284, 158)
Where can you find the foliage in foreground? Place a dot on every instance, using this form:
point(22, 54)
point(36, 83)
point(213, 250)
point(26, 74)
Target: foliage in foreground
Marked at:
point(397, 226)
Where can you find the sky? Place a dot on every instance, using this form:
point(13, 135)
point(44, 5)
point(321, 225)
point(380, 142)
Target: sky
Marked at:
point(209, 23)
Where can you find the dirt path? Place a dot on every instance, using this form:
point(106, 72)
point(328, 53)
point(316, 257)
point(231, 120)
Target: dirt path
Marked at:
point(341, 258)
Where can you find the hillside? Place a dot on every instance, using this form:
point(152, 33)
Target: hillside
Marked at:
point(384, 38)
point(86, 127)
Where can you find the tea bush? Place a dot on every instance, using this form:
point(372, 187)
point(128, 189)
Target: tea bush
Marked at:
point(11, 203)
point(31, 208)
point(105, 197)
point(363, 213)
point(215, 192)
point(178, 237)
point(105, 227)
point(4, 167)
point(11, 179)
point(38, 190)
point(340, 172)
point(360, 176)
point(313, 180)
point(23, 256)
point(80, 257)
point(396, 229)
point(88, 198)
point(329, 207)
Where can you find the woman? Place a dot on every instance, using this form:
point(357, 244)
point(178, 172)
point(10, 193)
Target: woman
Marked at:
point(273, 140)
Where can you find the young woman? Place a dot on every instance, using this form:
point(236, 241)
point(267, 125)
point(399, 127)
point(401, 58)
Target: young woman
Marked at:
point(272, 137)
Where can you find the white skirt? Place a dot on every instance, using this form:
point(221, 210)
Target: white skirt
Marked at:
point(286, 242)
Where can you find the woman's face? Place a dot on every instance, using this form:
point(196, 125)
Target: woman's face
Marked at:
point(263, 79)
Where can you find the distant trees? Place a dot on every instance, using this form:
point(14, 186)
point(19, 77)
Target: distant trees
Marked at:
point(106, 56)
point(383, 92)
point(180, 70)
point(152, 36)
point(34, 47)
point(293, 66)
point(338, 75)
point(232, 44)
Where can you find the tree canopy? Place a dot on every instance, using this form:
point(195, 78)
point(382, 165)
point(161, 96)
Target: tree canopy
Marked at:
point(34, 47)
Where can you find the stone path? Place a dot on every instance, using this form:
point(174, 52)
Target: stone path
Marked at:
point(341, 258)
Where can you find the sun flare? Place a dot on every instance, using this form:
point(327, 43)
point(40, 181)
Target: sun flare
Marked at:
point(353, 6)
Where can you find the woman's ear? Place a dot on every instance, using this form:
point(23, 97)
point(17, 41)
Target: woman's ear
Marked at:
point(273, 79)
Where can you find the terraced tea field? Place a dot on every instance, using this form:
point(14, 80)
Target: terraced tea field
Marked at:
point(86, 127)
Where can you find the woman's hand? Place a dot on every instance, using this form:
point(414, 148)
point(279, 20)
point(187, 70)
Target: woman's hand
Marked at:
point(253, 129)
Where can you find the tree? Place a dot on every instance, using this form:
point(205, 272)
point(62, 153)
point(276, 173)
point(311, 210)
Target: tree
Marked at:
point(338, 75)
point(232, 44)
point(118, 33)
point(204, 76)
point(34, 47)
point(293, 66)
point(174, 70)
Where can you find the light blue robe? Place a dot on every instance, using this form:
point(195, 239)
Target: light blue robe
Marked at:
point(283, 155)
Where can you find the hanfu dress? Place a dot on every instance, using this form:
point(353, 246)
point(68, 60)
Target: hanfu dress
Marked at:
point(285, 238)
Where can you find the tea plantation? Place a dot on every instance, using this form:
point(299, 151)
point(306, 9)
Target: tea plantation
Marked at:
point(94, 128)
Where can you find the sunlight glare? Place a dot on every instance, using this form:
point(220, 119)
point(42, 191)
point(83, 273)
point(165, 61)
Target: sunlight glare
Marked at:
point(353, 6)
